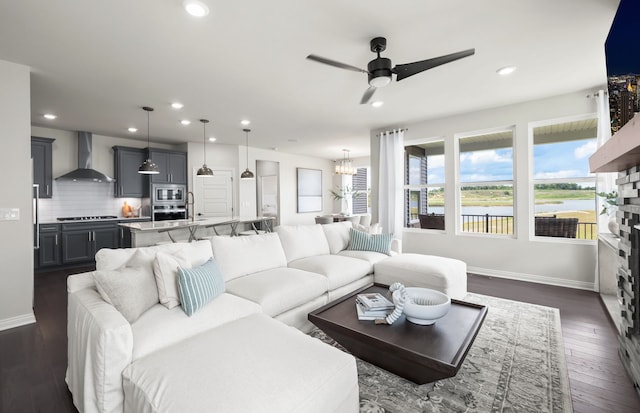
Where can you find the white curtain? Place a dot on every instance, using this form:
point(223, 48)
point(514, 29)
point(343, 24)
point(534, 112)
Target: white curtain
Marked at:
point(390, 182)
point(605, 182)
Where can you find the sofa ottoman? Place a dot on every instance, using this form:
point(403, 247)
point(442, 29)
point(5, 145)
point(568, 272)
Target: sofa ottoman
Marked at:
point(255, 364)
point(446, 275)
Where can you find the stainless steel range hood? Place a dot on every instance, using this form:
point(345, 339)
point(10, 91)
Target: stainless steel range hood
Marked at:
point(85, 172)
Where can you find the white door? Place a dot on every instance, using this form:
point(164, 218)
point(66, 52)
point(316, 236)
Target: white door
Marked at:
point(214, 195)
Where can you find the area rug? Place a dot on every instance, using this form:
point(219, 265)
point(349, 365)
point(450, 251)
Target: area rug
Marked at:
point(516, 364)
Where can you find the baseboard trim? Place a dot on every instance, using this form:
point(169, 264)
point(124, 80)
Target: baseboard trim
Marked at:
point(17, 321)
point(558, 282)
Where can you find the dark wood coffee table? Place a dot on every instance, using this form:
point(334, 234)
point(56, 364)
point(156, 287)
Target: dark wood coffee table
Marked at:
point(422, 354)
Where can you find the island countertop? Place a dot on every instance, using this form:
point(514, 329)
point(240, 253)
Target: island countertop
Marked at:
point(152, 233)
point(181, 223)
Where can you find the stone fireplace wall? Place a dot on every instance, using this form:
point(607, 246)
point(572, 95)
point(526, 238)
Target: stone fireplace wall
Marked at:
point(628, 217)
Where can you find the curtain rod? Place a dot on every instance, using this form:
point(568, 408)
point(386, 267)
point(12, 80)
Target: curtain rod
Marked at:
point(596, 94)
point(401, 130)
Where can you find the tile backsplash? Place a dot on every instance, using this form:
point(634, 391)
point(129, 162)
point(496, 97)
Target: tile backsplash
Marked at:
point(73, 199)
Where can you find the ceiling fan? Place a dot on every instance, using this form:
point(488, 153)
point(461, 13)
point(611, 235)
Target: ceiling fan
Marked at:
point(379, 69)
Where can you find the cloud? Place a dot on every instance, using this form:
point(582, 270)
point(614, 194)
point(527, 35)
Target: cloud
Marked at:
point(478, 178)
point(489, 156)
point(585, 150)
point(571, 173)
point(435, 161)
point(435, 179)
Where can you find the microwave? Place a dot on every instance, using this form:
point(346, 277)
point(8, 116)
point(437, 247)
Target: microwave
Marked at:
point(167, 194)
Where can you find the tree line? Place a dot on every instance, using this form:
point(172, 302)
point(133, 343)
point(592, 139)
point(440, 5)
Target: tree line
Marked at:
point(547, 187)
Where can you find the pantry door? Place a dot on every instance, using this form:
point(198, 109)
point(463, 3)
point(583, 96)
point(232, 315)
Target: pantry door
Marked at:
point(214, 195)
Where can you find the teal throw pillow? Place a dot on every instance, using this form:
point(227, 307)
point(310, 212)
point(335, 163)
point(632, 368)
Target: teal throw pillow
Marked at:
point(361, 241)
point(198, 286)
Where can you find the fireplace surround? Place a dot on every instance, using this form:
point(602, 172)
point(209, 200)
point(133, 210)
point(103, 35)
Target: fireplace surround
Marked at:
point(628, 218)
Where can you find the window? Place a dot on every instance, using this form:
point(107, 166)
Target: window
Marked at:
point(424, 185)
point(563, 189)
point(359, 182)
point(486, 183)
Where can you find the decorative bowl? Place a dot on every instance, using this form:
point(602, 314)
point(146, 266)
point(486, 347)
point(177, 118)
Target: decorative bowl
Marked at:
point(424, 306)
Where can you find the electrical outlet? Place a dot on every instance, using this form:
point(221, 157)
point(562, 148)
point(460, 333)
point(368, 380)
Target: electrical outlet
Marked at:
point(10, 214)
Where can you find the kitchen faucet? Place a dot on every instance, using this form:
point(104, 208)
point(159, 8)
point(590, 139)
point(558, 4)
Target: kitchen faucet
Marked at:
point(193, 208)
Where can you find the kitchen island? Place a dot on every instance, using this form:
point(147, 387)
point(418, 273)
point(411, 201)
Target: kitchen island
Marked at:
point(185, 230)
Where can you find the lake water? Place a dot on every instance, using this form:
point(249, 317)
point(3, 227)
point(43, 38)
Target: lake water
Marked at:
point(568, 205)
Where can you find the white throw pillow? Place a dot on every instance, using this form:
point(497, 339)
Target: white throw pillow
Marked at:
point(199, 252)
point(131, 290)
point(302, 241)
point(337, 235)
point(165, 270)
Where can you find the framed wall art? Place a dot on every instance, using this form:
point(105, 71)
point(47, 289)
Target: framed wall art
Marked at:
point(309, 190)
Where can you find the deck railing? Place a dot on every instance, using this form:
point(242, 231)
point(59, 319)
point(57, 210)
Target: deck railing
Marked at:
point(503, 224)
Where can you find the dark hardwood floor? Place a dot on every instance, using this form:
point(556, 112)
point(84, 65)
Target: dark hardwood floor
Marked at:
point(599, 382)
point(33, 358)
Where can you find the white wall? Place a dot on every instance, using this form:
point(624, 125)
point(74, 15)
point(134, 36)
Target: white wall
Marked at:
point(16, 243)
point(288, 184)
point(552, 261)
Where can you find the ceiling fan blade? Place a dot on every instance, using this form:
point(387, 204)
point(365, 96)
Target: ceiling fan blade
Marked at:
point(410, 69)
point(334, 63)
point(367, 95)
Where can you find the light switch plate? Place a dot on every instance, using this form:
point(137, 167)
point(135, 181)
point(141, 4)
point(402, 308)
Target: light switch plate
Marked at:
point(10, 214)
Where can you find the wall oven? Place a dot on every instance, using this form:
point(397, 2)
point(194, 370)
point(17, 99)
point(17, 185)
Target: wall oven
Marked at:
point(168, 202)
point(167, 212)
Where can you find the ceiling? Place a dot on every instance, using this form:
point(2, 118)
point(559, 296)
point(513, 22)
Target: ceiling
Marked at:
point(95, 63)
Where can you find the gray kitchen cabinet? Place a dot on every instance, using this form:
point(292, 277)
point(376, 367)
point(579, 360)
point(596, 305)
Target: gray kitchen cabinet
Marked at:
point(41, 153)
point(49, 252)
point(81, 241)
point(129, 183)
point(172, 166)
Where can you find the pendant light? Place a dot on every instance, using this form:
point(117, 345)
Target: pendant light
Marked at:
point(205, 170)
point(247, 174)
point(344, 167)
point(148, 167)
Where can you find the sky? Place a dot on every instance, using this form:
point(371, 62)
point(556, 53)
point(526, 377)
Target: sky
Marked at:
point(555, 160)
point(621, 45)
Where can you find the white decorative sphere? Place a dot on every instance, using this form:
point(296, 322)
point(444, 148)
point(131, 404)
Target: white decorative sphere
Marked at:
point(424, 306)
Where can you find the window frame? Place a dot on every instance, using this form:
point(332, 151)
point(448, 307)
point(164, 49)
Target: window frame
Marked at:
point(458, 184)
point(533, 182)
point(420, 187)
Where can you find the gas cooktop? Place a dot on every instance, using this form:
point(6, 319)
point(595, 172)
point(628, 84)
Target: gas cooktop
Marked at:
point(88, 218)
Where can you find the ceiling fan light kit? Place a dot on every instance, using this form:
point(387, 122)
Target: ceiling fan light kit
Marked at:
point(380, 70)
point(148, 167)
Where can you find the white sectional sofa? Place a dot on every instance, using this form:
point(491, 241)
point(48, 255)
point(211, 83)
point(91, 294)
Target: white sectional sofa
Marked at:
point(239, 352)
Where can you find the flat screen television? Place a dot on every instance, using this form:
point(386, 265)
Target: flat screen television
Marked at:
point(623, 65)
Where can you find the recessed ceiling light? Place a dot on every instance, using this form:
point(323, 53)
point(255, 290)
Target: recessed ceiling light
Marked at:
point(49, 116)
point(177, 105)
point(245, 122)
point(507, 70)
point(185, 122)
point(377, 103)
point(212, 139)
point(133, 130)
point(195, 8)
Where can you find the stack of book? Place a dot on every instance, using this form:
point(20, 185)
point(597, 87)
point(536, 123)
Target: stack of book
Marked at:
point(373, 306)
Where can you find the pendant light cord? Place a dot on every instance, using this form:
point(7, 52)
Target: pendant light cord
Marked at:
point(247, 133)
point(204, 138)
